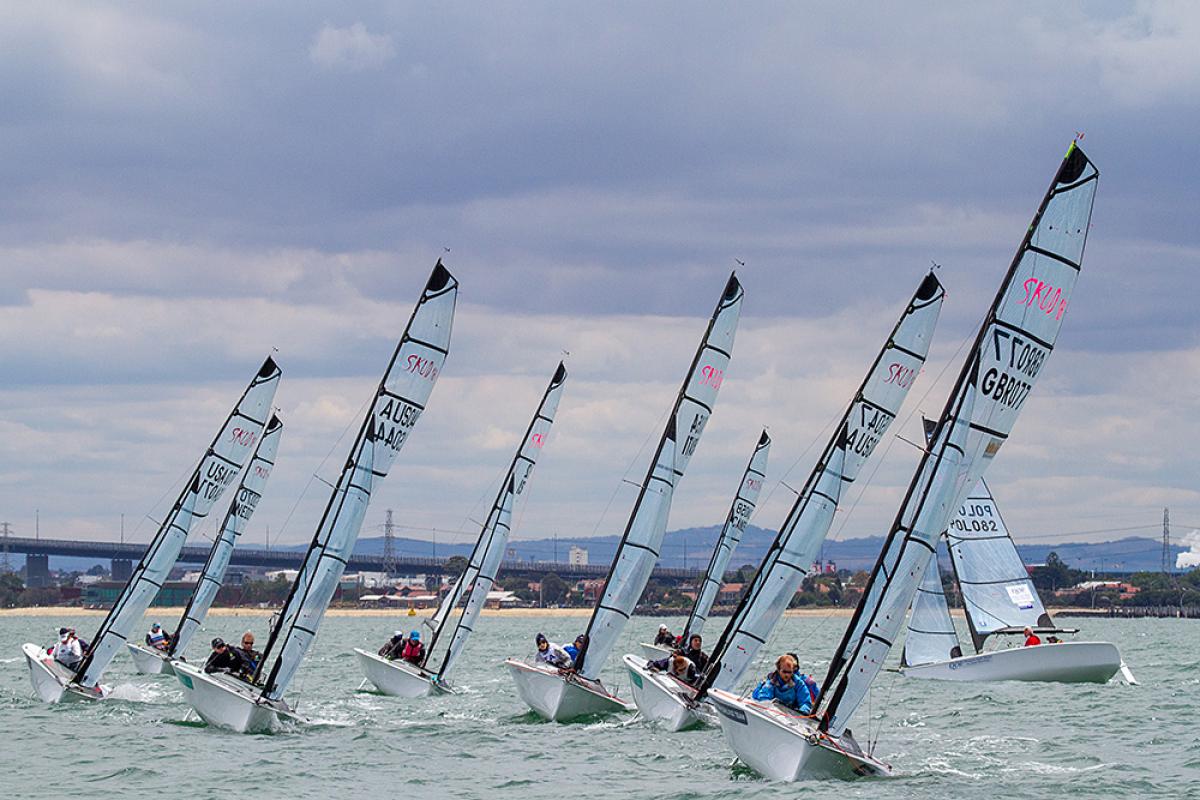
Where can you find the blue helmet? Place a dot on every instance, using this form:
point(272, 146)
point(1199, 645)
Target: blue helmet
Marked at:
point(415, 636)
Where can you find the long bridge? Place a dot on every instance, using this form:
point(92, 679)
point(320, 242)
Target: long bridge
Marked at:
point(123, 555)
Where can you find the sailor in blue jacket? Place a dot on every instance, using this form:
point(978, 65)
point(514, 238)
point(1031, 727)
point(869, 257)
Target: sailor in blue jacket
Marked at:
point(784, 688)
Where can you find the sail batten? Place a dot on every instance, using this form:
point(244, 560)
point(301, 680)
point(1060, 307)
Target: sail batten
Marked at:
point(484, 562)
point(398, 403)
point(638, 550)
point(797, 545)
point(218, 468)
point(1013, 343)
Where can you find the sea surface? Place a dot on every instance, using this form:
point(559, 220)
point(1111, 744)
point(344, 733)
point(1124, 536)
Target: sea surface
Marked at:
point(980, 741)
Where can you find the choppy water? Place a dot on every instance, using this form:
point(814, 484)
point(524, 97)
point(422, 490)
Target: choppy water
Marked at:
point(947, 740)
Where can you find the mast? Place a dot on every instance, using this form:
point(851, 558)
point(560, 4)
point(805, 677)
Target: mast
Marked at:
point(217, 469)
point(245, 500)
point(1013, 343)
point(638, 550)
point(484, 563)
point(399, 402)
point(867, 418)
point(739, 515)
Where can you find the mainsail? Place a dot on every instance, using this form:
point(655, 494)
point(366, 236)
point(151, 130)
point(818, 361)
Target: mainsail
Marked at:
point(931, 636)
point(735, 524)
point(1008, 355)
point(484, 563)
point(245, 499)
point(399, 401)
point(639, 547)
point(217, 469)
point(798, 543)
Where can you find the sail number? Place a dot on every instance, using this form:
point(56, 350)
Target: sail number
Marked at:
point(1025, 360)
point(741, 514)
point(862, 438)
point(693, 437)
point(395, 422)
point(960, 524)
point(216, 478)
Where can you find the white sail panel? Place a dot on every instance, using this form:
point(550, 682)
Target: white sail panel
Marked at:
point(996, 588)
point(399, 401)
point(931, 636)
point(245, 500)
point(731, 534)
point(488, 553)
point(217, 469)
point(798, 543)
point(642, 541)
point(1013, 344)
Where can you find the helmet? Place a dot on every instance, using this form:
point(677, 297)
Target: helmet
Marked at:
point(662, 627)
point(398, 633)
point(218, 642)
point(63, 631)
point(541, 637)
point(415, 636)
point(155, 627)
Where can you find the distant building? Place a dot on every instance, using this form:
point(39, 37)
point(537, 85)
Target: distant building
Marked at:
point(577, 556)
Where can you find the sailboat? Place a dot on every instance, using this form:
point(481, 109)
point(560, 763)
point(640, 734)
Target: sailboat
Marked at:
point(254, 480)
point(402, 679)
point(863, 424)
point(258, 705)
point(217, 469)
point(736, 520)
point(651, 688)
point(999, 599)
point(563, 695)
point(1008, 356)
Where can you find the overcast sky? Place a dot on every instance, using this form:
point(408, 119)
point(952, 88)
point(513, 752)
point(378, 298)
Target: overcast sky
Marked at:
point(184, 189)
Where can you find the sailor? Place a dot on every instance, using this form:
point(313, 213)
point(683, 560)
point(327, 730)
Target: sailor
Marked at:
point(158, 638)
point(694, 654)
point(393, 647)
point(677, 666)
point(580, 644)
point(782, 687)
point(224, 659)
point(550, 653)
point(1031, 638)
point(664, 638)
point(68, 651)
point(814, 691)
point(248, 653)
point(414, 651)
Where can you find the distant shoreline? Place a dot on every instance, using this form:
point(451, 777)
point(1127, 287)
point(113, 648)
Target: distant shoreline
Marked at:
point(168, 611)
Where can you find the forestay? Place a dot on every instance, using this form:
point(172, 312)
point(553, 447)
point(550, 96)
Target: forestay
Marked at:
point(217, 469)
point(399, 401)
point(931, 636)
point(485, 559)
point(245, 500)
point(996, 588)
point(1008, 355)
point(643, 537)
point(799, 540)
point(735, 524)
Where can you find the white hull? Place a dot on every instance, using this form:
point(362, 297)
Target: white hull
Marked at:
point(52, 681)
point(663, 699)
point(397, 678)
point(149, 661)
point(561, 696)
point(226, 702)
point(1069, 662)
point(654, 652)
point(783, 746)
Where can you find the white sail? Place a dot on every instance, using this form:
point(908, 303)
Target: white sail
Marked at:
point(640, 545)
point(245, 500)
point(735, 524)
point(997, 592)
point(217, 469)
point(798, 543)
point(399, 401)
point(931, 636)
point(1009, 353)
point(485, 559)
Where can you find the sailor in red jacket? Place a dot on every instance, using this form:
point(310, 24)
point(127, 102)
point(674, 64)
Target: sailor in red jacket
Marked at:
point(414, 651)
point(1031, 638)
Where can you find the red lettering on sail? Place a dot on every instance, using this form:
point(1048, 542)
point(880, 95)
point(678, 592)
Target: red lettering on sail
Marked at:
point(425, 367)
point(711, 376)
point(1049, 299)
point(901, 375)
point(243, 437)
point(537, 439)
